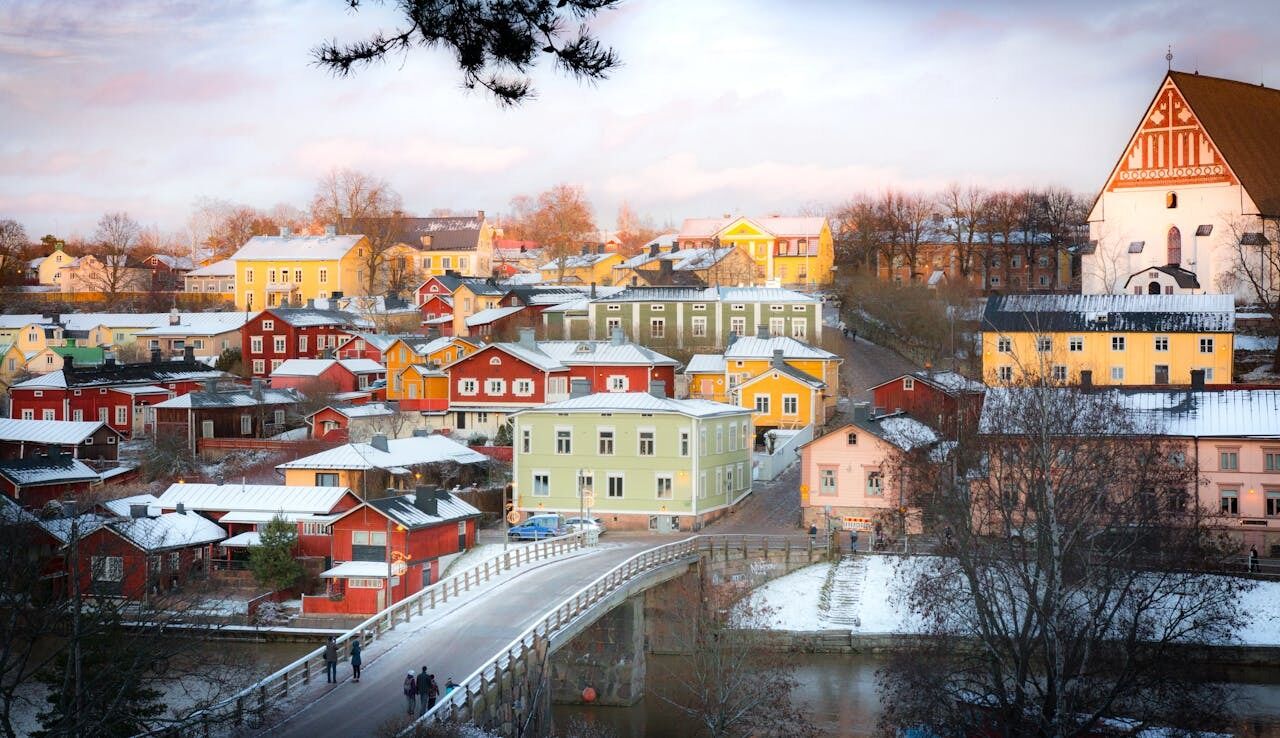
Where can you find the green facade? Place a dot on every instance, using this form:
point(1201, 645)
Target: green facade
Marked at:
point(702, 326)
point(699, 479)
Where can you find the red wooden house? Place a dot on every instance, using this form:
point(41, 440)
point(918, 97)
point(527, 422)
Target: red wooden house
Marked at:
point(330, 376)
point(947, 401)
point(435, 306)
point(616, 365)
point(371, 346)
point(501, 378)
point(231, 411)
point(146, 553)
point(116, 394)
point(89, 440)
point(440, 284)
point(333, 423)
point(276, 335)
point(34, 482)
point(387, 549)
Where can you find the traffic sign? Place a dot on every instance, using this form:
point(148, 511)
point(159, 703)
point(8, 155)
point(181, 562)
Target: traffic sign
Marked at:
point(513, 517)
point(589, 499)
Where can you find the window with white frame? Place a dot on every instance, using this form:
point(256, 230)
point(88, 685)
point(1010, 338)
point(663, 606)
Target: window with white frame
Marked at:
point(541, 484)
point(827, 480)
point(275, 364)
point(302, 344)
point(684, 443)
point(662, 485)
point(733, 437)
point(647, 442)
point(1004, 344)
point(526, 441)
point(615, 488)
point(908, 384)
point(122, 414)
point(604, 441)
point(1206, 345)
point(1117, 343)
point(1162, 343)
point(1044, 344)
point(468, 386)
point(495, 386)
point(613, 308)
point(107, 568)
point(618, 383)
point(1005, 373)
point(1117, 374)
point(586, 484)
point(762, 404)
point(279, 344)
point(564, 441)
point(719, 439)
point(255, 344)
point(790, 404)
point(246, 424)
point(658, 327)
point(799, 329)
point(259, 366)
point(30, 414)
point(1059, 373)
point(1229, 501)
point(1075, 344)
point(738, 325)
point(875, 484)
point(522, 387)
point(728, 480)
point(698, 326)
point(777, 327)
point(611, 323)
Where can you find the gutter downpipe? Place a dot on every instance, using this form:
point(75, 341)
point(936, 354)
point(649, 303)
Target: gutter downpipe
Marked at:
point(693, 479)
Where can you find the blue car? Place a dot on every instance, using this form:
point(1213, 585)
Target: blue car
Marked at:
point(536, 528)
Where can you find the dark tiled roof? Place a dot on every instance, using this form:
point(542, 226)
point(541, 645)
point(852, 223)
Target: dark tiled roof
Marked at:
point(142, 373)
point(1186, 279)
point(1244, 122)
point(314, 316)
point(1110, 313)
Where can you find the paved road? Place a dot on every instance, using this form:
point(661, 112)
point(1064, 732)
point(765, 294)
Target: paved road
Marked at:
point(866, 364)
point(772, 507)
point(455, 644)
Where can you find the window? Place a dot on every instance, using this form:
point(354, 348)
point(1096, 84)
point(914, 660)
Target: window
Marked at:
point(564, 441)
point(777, 326)
point(657, 307)
point(493, 360)
point(699, 307)
point(1271, 459)
point(1117, 343)
point(1162, 343)
point(790, 404)
point(107, 568)
point(29, 414)
point(1059, 373)
point(1229, 501)
point(1005, 373)
point(526, 441)
point(586, 484)
point(1206, 345)
point(1273, 503)
point(613, 308)
point(248, 276)
point(316, 529)
point(1044, 344)
point(604, 437)
point(522, 387)
point(302, 344)
point(1228, 460)
point(275, 364)
point(702, 441)
point(324, 275)
point(1075, 344)
point(1208, 373)
point(827, 480)
point(268, 325)
point(279, 345)
point(698, 326)
point(259, 366)
point(658, 328)
point(1117, 374)
point(762, 404)
point(1004, 344)
point(799, 329)
point(37, 393)
point(495, 386)
point(468, 386)
point(875, 484)
point(738, 325)
point(611, 323)
point(122, 414)
point(647, 442)
point(615, 486)
point(246, 424)
point(618, 383)
point(326, 479)
point(777, 308)
point(541, 484)
point(851, 439)
point(255, 344)
point(908, 384)
point(728, 479)
point(719, 439)
point(48, 414)
point(684, 443)
point(662, 483)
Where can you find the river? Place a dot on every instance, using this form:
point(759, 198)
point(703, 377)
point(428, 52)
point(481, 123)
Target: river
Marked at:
point(838, 692)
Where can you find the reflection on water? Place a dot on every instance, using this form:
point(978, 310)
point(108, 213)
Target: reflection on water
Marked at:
point(838, 692)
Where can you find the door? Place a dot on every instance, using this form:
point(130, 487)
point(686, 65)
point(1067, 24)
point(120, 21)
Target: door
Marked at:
point(1162, 373)
point(461, 421)
point(462, 535)
point(206, 429)
point(382, 599)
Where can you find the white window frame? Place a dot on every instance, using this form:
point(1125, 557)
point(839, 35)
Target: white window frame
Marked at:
point(564, 443)
point(279, 344)
point(663, 483)
point(606, 438)
point(618, 383)
point(468, 386)
point(649, 437)
point(545, 477)
point(794, 400)
point(616, 480)
point(495, 386)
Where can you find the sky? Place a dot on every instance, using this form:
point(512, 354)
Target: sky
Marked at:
point(742, 106)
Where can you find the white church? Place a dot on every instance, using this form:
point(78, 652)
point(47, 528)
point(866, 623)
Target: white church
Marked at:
point(1200, 175)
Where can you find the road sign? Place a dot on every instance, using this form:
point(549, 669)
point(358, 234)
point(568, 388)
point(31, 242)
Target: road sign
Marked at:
point(853, 523)
point(398, 568)
point(513, 517)
point(589, 499)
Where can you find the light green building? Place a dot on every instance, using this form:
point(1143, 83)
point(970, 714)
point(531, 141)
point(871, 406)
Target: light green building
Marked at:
point(644, 461)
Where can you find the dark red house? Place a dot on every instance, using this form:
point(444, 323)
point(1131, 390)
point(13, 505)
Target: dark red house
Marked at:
point(226, 411)
point(387, 549)
point(435, 306)
point(329, 376)
point(89, 440)
point(146, 553)
point(371, 346)
point(276, 335)
point(947, 401)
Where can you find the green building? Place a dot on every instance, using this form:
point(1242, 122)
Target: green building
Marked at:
point(643, 460)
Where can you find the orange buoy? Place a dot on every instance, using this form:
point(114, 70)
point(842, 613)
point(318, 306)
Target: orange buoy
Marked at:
point(589, 694)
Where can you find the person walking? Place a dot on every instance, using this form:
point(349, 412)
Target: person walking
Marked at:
point(424, 690)
point(1253, 559)
point(853, 541)
point(355, 659)
point(433, 691)
point(331, 660)
point(813, 534)
point(410, 692)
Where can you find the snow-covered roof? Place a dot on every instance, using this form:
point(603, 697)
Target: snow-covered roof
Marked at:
point(786, 370)
point(296, 248)
point(906, 432)
point(124, 505)
point(171, 530)
point(578, 261)
point(640, 402)
point(369, 410)
point(571, 353)
point(259, 516)
point(705, 364)
point(224, 268)
point(1225, 413)
point(311, 317)
point(174, 262)
point(60, 528)
point(809, 226)
point(706, 294)
point(316, 367)
point(378, 341)
point(488, 315)
point(949, 382)
point(684, 260)
point(122, 375)
point(267, 498)
point(358, 570)
point(401, 452)
point(146, 389)
point(403, 509)
point(70, 432)
point(34, 472)
point(89, 321)
point(198, 324)
point(762, 348)
point(523, 278)
point(20, 320)
point(763, 294)
point(243, 540)
point(240, 397)
point(1164, 313)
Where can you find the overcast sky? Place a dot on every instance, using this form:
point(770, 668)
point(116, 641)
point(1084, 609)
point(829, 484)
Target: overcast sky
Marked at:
point(722, 105)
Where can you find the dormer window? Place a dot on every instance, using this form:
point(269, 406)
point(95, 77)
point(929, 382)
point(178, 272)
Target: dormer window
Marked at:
point(851, 439)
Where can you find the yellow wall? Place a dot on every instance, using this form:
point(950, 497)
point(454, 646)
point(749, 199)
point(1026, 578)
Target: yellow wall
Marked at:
point(828, 370)
point(399, 356)
point(1138, 359)
point(27, 338)
point(601, 272)
point(307, 477)
point(340, 276)
point(48, 269)
point(717, 384)
point(776, 385)
point(759, 245)
point(467, 303)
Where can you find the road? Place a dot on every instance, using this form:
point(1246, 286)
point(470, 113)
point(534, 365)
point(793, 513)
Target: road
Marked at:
point(454, 644)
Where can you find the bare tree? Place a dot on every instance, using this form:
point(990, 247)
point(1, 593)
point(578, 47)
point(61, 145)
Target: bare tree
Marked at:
point(858, 231)
point(360, 203)
point(559, 219)
point(1255, 261)
point(1076, 570)
point(495, 44)
point(962, 208)
point(115, 245)
point(13, 252)
point(909, 223)
point(634, 230)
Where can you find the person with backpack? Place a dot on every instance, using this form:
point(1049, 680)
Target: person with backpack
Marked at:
point(355, 659)
point(410, 692)
point(424, 690)
point(433, 691)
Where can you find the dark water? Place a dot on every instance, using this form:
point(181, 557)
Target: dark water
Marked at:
point(838, 692)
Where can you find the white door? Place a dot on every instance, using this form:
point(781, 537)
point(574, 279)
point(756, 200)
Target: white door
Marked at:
point(206, 429)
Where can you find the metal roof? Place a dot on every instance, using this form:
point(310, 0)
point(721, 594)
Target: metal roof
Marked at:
point(403, 509)
point(296, 248)
point(33, 472)
point(1110, 313)
point(571, 353)
point(264, 498)
point(640, 402)
point(762, 348)
point(705, 363)
point(223, 268)
point(168, 531)
point(241, 397)
point(1217, 413)
point(198, 324)
point(401, 452)
point(70, 432)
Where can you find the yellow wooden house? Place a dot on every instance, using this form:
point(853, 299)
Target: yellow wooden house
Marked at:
point(406, 352)
point(288, 270)
point(706, 379)
point(584, 268)
point(782, 397)
point(29, 332)
point(423, 388)
point(1116, 339)
point(470, 297)
point(792, 251)
point(750, 356)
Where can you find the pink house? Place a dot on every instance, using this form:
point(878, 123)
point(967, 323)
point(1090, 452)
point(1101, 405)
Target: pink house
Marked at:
point(852, 470)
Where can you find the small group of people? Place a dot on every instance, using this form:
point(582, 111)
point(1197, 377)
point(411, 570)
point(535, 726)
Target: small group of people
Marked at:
point(421, 691)
point(331, 660)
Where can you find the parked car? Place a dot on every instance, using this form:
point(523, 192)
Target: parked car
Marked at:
point(577, 524)
point(537, 527)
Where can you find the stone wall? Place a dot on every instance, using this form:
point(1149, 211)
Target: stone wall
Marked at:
point(608, 657)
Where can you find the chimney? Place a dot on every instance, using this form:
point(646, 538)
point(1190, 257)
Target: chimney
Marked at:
point(311, 303)
point(1197, 380)
point(137, 510)
point(421, 432)
point(777, 361)
point(379, 441)
point(653, 249)
point(188, 354)
point(599, 248)
point(181, 509)
point(331, 230)
point(284, 232)
point(256, 388)
point(862, 411)
point(175, 317)
point(658, 388)
point(424, 498)
point(593, 290)
point(664, 269)
point(108, 359)
point(68, 364)
point(675, 246)
point(433, 333)
point(210, 387)
point(155, 356)
point(762, 331)
point(579, 387)
point(1086, 378)
point(586, 249)
point(616, 338)
point(526, 338)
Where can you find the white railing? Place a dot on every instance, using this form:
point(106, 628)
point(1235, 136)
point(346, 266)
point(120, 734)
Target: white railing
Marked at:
point(573, 606)
point(298, 674)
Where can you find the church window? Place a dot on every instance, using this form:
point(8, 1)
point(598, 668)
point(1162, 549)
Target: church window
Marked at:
point(1174, 246)
point(1171, 200)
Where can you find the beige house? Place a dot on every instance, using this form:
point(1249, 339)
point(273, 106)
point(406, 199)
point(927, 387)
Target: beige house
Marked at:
point(29, 333)
point(90, 273)
point(49, 266)
point(206, 334)
point(217, 278)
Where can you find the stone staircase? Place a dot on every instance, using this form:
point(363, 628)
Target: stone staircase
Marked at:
point(841, 593)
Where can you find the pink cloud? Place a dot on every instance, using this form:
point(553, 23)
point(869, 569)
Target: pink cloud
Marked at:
point(176, 85)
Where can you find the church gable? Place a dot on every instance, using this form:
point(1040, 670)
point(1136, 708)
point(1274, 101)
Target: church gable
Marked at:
point(1170, 148)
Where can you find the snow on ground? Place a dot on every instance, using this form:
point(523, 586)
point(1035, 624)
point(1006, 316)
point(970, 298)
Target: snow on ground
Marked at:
point(795, 602)
point(1260, 374)
point(473, 556)
point(1255, 343)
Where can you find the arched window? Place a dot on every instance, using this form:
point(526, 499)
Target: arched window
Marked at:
point(1174, 246)
point(1153, 288)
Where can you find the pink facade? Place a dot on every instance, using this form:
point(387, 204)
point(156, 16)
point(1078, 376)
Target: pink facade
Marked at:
point(848, 469)
point(1240, 480)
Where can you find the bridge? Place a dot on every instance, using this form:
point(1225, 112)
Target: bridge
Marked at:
point(518, 630)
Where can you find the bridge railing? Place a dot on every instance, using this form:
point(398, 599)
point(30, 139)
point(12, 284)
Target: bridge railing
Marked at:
point(257, 697)
point(455, 704)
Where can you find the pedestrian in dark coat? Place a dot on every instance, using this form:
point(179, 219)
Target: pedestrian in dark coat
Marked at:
point(1253, 559)
point(433, 691)
point(355, 659)
point(410, 692)
point(813, 533)
point(331, 660)
point(853, 541)
point(424, 690)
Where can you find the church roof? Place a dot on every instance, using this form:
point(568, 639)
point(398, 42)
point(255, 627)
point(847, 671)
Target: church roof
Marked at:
point(1244, 122)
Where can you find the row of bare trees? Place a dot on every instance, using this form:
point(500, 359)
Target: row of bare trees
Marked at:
point(897, 225)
